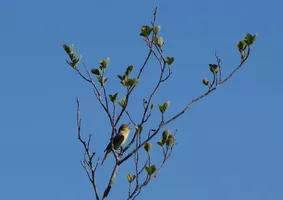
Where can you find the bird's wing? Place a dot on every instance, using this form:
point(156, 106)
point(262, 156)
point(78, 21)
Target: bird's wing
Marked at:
point(117, 140)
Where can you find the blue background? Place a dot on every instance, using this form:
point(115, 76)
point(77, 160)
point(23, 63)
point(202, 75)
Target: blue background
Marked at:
point(229, 144)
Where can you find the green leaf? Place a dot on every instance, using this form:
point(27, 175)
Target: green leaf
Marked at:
point(76, 61)
point(102, 80)
point(170, 141)
point(205, 81)
point(160, 42)
point(156, 30)
point(121, 77)
point(113, 98)
point(248, 39)
point(68, 49)
point(123, 103)
point(165, 134)
point(160, 143)
point(71, 47)
point(169, 60)
point(254, 38)
point(99, 79)
point(242, 45)
point(145, 31)
point(147, 147)
point(75, 54)
point(161, 108)
point(213, 68)
point(125, 81)
point(129, 70)
point(79, 60)
point(72, 55)
point(97, 72)
point(133, 82)
point(138, 128)
point(130, 177)
point(107, 61)
point(155, 39)
point(104, 63)
point(72, 58)
point(150, 170)
point(152, 106)
point(166, 105)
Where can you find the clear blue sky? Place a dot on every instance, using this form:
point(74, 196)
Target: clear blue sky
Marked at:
point(229, 144)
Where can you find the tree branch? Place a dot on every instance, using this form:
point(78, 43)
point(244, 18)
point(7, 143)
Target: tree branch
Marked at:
point(111, 181)
point(87, 162)
point(186, 108)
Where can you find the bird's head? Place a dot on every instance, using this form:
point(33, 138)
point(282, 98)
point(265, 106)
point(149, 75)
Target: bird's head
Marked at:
point(124, 127)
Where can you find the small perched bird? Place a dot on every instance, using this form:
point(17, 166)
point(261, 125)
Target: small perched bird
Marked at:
point(118, 140)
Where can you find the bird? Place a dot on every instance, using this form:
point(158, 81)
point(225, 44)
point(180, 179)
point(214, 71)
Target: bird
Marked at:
point(118, 141)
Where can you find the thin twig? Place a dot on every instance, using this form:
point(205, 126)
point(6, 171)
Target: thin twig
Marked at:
point(87, 162)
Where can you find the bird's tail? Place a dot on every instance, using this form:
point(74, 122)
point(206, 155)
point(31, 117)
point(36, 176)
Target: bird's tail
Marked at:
point(106, 154)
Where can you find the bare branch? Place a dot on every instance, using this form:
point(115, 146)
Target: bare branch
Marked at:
point(130, 118)
point(243, 60)
point(111, 182)
point(87, 162)
point(96, 92)
point(208, 92)
point(219, 65)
